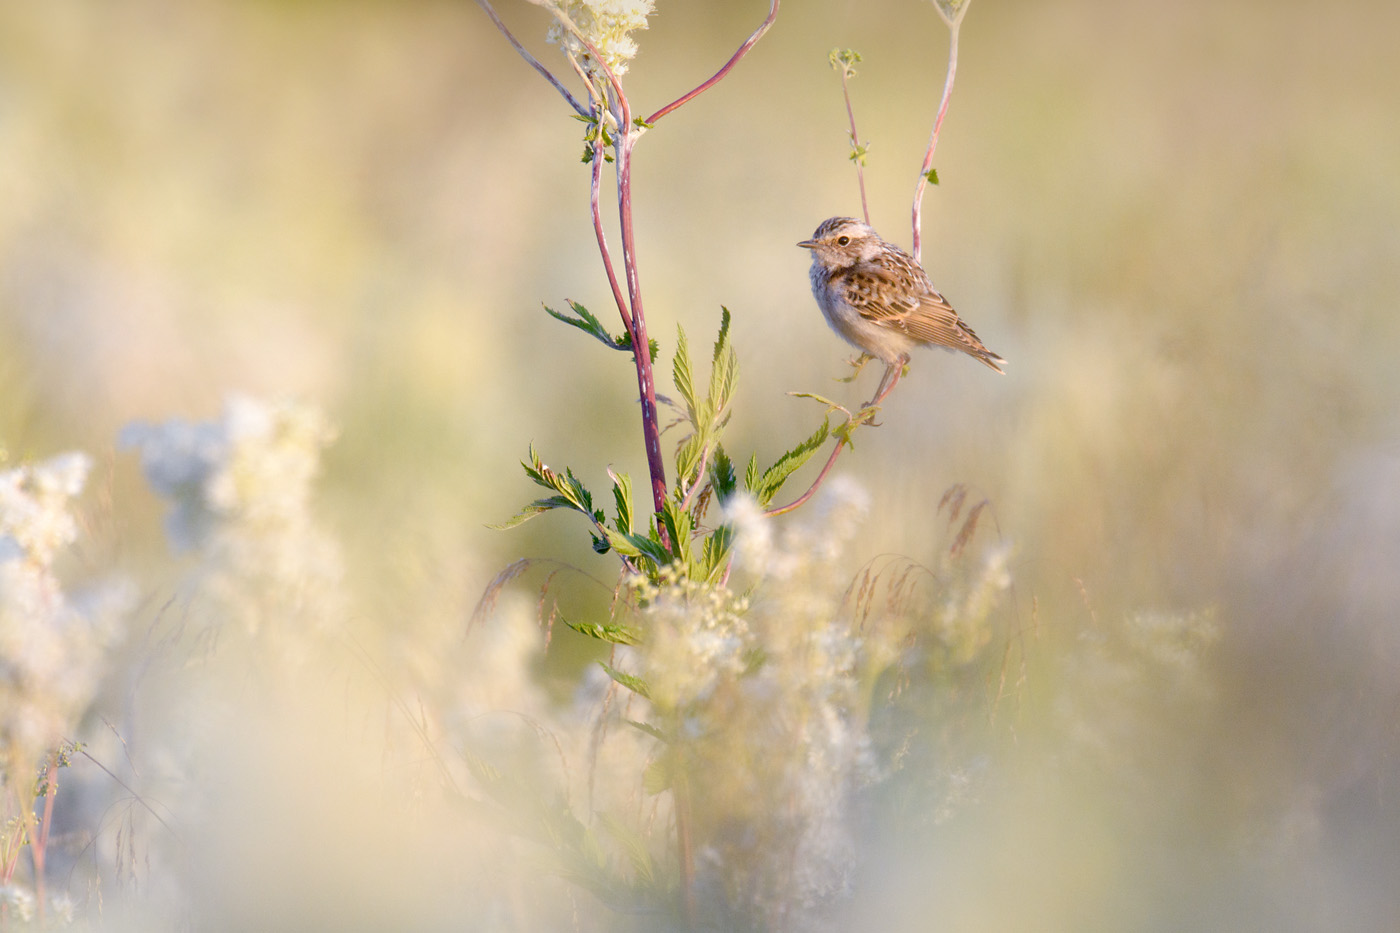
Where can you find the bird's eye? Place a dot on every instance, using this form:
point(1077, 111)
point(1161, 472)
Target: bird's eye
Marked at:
point(843, 241)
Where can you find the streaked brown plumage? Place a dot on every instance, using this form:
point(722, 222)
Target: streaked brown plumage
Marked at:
point(880, 300)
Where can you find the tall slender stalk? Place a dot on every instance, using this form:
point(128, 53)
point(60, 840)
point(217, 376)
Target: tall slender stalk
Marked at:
point(845, 61)
point(610, 104)
point(609, 99)
point(952, 14)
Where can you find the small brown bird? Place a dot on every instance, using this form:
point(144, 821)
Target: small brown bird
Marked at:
point(881, 301)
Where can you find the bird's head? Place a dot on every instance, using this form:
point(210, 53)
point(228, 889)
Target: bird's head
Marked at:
point(843, 241)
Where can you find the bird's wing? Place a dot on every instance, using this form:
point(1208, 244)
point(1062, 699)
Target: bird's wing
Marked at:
point(923, 314)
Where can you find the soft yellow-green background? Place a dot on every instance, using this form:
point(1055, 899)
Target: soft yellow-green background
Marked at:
point(1179, 222)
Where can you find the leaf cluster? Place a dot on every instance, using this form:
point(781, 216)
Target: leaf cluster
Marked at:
point(588, 322)
point(596, 128)
point(704, 475)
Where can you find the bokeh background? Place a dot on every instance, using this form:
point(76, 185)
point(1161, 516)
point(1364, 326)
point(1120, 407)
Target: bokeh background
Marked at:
point(1179, 222)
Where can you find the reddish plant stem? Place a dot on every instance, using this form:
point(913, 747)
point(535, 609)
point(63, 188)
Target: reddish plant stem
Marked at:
point(38, 848)
point(532, 60)
point(719, 75)
point(597, 213)
point(641, 346)
point(631, 309)
point(886, 386)
point(855, 143)
point(953, 27)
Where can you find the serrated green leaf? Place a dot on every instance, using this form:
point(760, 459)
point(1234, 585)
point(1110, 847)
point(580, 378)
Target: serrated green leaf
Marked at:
point(830, 405)
point(656, 732)
point(722, 478)
point(679, 525)
point(635, 545)
point(688, 457)
point(536, 470)
point(715, 553)
point(680, 372)
point(774, 477)
point(722, 339)
point(932, 176)
point(723, 371)
point(575, 494)
point(622, 497)
point(606, 631)
point(537, 507)
point(585, 321)
point(575, 490)
point(751, 473)
point(635, 684)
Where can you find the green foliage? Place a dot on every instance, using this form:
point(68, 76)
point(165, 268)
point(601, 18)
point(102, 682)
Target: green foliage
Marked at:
point(678, 542)
point(570, 494)
point(708, 414)
point(633, 683)
point(679, 538)
point(606, 631)
point(766, 486)
point(932, 176)
point(589, 324)
point(591, 136)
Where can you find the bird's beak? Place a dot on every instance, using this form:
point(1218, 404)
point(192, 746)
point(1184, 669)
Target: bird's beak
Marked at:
point(808, 244)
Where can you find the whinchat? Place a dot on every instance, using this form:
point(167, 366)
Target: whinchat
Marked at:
point(880, 300)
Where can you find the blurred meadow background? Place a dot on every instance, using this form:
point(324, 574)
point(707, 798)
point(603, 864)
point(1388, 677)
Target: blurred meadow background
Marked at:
point(1178, 222)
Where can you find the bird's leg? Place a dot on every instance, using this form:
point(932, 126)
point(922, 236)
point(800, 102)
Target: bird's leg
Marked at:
point(893, 372)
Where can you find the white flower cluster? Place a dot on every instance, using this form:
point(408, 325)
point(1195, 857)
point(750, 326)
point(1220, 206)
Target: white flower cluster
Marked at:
point(697, 637)
point(767, 692)
point(605, 23)
point(241, 489)
point(50, 646)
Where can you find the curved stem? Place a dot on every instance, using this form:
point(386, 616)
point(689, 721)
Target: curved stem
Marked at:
point(595, 186)
point(812, 490)
point(533, 61)
point(855, 143)
point(953, 27)
point(641, 346)
point(893, 372)
point(719, 75)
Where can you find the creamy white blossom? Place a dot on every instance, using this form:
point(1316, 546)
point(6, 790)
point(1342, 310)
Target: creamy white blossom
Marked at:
point(241, 493)
point(605, 23)
point(51, 644)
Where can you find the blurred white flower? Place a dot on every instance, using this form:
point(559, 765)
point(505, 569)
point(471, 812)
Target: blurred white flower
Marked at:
point(697, 637)
point(606, 24)
point(62, 910)
point(50, 646)
point(241, 490)
point(815, 539)
point(18, 901)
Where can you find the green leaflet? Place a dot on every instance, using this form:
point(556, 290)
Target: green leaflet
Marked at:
point(773, 478)
point(607, 631)
point(635, 684)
